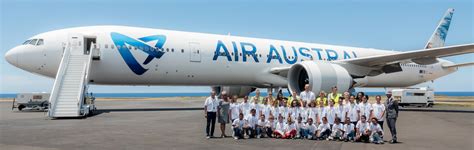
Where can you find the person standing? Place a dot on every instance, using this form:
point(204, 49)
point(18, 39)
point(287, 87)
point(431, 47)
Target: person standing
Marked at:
point(392, 115)
point(223, 111)
point(257, 97)
point(307, 95)
point(210, 109)
point(378, 110)
point(335, 96)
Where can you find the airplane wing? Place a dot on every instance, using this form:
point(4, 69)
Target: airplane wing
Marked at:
point(459, 65)
point(425, 56)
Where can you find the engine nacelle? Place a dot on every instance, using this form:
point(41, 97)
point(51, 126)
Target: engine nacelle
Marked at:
point(240, 91)
point(319, 76)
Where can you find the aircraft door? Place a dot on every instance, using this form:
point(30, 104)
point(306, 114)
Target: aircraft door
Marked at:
point(195, 52)
point(76, 43)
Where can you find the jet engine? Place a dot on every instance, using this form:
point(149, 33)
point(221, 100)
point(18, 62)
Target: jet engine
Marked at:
point(319, 75)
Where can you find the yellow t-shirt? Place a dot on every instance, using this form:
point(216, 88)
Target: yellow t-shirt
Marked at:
point(318, 100)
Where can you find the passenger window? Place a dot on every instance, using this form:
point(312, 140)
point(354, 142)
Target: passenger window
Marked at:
point(182, 50)
point(106, 46)
point(33, 42)
point(40, 42)
point(26, 42)
point(112, 46)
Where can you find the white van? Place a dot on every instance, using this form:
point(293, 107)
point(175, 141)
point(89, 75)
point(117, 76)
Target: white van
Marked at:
point(414, 97)
point(31, 100)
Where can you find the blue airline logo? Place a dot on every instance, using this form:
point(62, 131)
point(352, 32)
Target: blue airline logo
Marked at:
point(123, 42)
point(250, 50)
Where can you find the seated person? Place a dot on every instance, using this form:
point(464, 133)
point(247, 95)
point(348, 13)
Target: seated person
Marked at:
point(270, 126)
point(279, 131)
point(349, 132)
point(238, 125)
point(324, 130)
point(261, 126)
point(290, 129)
point(337, 130)
point(309, 130)
point(300, 127)
point(377, 132)
point(362, 130)
point(251, 127)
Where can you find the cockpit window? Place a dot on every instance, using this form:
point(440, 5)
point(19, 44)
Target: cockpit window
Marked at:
point(33, 42)
point(26, 42)
point(40, 42)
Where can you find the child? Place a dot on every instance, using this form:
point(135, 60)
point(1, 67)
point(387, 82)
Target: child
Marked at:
point(300, 127)
point(363, 130)
point(290, 129)
point(377, 132)
point(250, 128)
point(238, 125)
point(309, 130)
point(279, 131)
point(337, 130)
point(324, 130)
point(349, 132)
point(270, 126)
point(261, 126)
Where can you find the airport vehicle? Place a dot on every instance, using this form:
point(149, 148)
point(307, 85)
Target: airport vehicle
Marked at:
point(119, 55)
point(37, 101)
point(414, 97)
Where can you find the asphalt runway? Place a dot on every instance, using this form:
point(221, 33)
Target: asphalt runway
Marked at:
point(169, 124)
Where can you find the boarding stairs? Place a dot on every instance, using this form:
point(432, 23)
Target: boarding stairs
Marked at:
point(68, 97)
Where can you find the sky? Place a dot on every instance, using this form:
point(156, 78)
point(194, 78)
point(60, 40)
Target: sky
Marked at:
point(400, 25)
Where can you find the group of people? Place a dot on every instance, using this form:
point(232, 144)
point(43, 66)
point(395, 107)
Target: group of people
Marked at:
point(331, 116)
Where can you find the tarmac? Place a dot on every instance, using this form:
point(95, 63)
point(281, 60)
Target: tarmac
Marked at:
point(180, 124)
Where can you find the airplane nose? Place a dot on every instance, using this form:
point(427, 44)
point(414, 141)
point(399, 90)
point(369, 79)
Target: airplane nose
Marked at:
point(12, 56)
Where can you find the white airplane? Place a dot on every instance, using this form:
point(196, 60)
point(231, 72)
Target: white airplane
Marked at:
point(143, 56)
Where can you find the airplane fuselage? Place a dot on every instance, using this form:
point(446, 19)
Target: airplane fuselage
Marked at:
point(142, 56)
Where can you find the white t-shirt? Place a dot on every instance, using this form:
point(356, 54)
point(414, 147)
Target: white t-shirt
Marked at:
point(289, 127)
point(312, 128)
point(234, 110)
point(295, 111)
point(362, 127)
point(299, 126)
point(211, 104)
point(336, 128)
point(375, 128)
point(270, 124)
point(330, 113)
point(321, 113)
point(307, 96)
point(239, 123)
point(261, 123)
point(266, 110)
point(275, 111)
point(365, 109)
point(304, 113)
point(280, 126)
point(256, 107)
point(352, 111)
point(284, 112)
point(312, 113)
point(252, 121)
point(378, 110)
point(245, 108)
point(323, 127)
point(341, 112)
point(348, 128)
